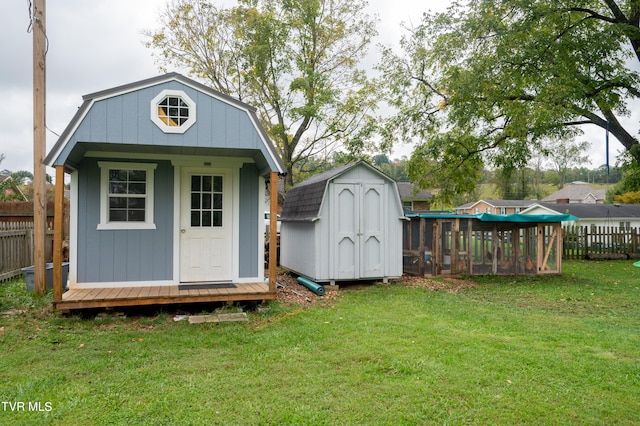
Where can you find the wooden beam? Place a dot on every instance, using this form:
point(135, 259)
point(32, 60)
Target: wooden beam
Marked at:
point(560, 245)
point(540, 247)
point(422, 242)
point(58, 235)
point(554, 234)
point(437, 252)
point(470, 247)
point(494, 249)
point(455, 245)
point(39, 146)
point(273, 230)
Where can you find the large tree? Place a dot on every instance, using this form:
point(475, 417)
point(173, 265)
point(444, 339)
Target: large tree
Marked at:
point(566, 154)
point(486, 82)
point(296, 61)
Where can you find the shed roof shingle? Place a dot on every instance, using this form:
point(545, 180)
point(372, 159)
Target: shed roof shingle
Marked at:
point(303, 201)
point(577, 192)
point(596, 211)
point(406, 190)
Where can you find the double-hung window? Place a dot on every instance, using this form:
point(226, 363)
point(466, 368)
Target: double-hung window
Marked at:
point(126, 195)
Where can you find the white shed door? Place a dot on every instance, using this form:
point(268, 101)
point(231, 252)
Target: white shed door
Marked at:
point(358, 225)
point(205, 226)
point(347, 218)
point(372, 231)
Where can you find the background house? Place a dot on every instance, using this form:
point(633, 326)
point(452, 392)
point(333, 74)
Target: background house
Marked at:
point(414, 200)
point(494, 207)
point(624, 216)
point(577, 193)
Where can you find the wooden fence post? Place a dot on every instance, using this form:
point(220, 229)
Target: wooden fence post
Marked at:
point(28, 246)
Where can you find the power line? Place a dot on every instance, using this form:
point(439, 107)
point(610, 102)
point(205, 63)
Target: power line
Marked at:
point(31, 25)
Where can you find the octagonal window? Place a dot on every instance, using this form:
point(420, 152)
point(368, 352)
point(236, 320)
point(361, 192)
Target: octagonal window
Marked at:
point(173, 111)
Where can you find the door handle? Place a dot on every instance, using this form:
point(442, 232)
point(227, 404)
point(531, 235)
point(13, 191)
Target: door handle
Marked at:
point(183, 230)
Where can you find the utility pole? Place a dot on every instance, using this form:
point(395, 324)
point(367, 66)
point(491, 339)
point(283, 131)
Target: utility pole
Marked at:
point(39, 144)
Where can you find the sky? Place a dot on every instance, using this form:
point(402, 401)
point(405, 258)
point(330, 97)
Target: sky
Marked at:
point(97, 45)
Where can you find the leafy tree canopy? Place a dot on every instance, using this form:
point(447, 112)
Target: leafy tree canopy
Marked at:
point(489, 80)
point(296, 61)
point(630, 181)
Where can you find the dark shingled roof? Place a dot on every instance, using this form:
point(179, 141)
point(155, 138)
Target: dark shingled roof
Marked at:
point(406, 192)
point(595, 211)
point(302, 202)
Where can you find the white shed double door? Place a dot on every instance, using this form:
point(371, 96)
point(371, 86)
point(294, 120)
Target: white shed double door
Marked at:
point(358, 230)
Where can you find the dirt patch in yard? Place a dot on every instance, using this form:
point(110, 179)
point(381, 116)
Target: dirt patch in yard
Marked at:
point(290, 291)
point(452, 285)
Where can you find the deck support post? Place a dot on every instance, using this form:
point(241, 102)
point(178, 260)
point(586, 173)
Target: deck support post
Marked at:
point(273, 231)
point(58, 221)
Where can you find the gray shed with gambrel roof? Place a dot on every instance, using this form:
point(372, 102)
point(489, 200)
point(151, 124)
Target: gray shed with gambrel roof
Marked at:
point(343, 225)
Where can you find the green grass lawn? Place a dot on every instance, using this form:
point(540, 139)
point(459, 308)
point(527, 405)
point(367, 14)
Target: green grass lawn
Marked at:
point(511, 350)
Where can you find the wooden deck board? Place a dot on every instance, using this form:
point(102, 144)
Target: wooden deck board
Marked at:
point(164, 291)
point(116, 293)
point(159, 295)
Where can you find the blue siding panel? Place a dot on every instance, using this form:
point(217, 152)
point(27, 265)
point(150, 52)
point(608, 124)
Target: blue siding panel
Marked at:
point(233, 133)
point(129, 121)
point(249, 216)
point(124, 255)
point(218, 123)
point(109, 264)
point(99, 122)
point(202, 128)
point(142, 123)
point(134, 264)
point(115, 114)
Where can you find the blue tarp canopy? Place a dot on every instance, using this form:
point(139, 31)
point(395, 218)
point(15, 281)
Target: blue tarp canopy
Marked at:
point(488, 217)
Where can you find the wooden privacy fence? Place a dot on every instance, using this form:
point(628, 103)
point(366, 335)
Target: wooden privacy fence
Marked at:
point(16, 248)
point(605, 242)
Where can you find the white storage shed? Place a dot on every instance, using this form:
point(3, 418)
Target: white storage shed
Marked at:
point(343, 225)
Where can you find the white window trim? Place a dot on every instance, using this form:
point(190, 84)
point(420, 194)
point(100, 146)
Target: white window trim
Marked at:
point(173, 129)
point(104, 196)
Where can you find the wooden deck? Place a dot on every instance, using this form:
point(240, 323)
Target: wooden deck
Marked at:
point(139, 296)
